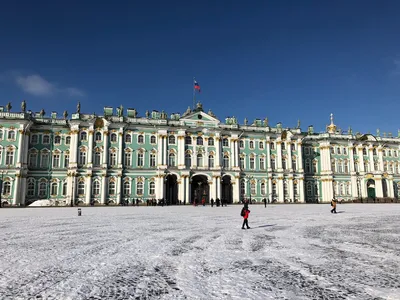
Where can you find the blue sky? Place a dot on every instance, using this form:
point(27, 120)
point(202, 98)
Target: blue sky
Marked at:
point(285, 60)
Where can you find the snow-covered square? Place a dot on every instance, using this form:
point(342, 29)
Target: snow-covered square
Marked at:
point(182, 252)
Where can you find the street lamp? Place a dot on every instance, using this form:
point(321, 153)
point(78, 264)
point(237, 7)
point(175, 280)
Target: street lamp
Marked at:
point(249, 177)
point(1, 186)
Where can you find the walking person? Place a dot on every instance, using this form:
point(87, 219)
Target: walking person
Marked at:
point(333, 204)
point(245, 214)
point(265, 202)
point(212, 202)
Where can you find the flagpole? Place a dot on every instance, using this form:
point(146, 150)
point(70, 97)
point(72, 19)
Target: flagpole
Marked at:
point(194, 93)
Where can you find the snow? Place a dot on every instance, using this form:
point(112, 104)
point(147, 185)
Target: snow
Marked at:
point(291, 252)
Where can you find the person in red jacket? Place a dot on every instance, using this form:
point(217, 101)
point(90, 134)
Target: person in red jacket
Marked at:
point(245, 213)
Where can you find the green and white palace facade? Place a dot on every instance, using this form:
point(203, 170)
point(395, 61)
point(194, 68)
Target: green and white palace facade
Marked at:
point(87, 159)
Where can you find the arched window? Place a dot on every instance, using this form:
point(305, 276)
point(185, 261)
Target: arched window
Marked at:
point(188, 160)
point(199, 160)
point(64, 188)
point(34, 138)
point(152, 188)
point(241, 144)
point(127, 188)
point(283, 145)
point(309, 189)
point(263, 191)
point(283, 163)
point(46, 139)
point(262, 163)
point(348, 188)
point(294, 165)
point(356, 166)
point(111, 188)
point(98, 136)
point(67, 140)
point(128, 138)
point(139, 188)
point(251, 145)
point(225, 142)
point(226, 161)
point(113, 137)
point(188, 140)
point(211, 161)
point(128, 159)
point(171, 139)
point(242, 188)
point(152, 160)
point(273, 192)
point(261, 145)
point(376, 166)
point(57, 139)
point(241, 159)
point(273, 163)
point(96, 188)
point(211, 141)
point(252, 165)
point(113, 158)
point(140, 139)
point(341, 189)
point(83, 136)
point(44, 160)
point(54, 188)
point(253, 190)
point(199, 140)
point(6, 188)
point(140, 161)
point(153, 139)
point(333, 165)
point(81, 187)
point(171, 160)
point(97, 159)
point(10, 157)
point(42, 187)
point(346, 166)
point(272, 145)
point(30, 192)
point(82, 156)
point(32, 162)
point(364, 150)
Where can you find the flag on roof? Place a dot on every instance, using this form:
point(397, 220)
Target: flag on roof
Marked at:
point(196, 86)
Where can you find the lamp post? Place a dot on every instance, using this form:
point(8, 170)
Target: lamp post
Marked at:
point(249, 177)
point(1, 187)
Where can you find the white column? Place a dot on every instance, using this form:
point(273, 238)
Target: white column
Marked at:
point(206, 154)
point(354, 187)
point(361, 159)
point(165, 152)
point(23, 190)
point(218, 153)
point(90, 151)
point(120, 148)
point(289, 158)
point(281, 197)
point(16, 187)
point(351, 147)
point(20, 148)
point(378, 187)
point(232, 156)
point(390, 187)
point(181, 189)
point(119, 194)
point(160, 151)
point(380, 156)
point(104, 189)
point(236, 190)
point(268, 158)
point(74, 149)
point(158, 187)
point(213, 188)
point(270, 189)
point(105, 150)
point(219, 187)
point(181, 152)
point(290, 187)
point(187, 190)
point(371, 158)
point(300, 156)
point(26, 146)
point(88, 188)
point(301, 190)
point(279, 156)
point(194, 156)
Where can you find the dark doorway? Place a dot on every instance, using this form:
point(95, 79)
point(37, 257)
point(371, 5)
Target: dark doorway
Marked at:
point(226, 189)
point(171, 186)
point(200, 189)
point(384, 188)
point(371, 188)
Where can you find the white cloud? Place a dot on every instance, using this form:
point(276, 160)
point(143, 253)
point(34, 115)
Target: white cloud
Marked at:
point(35, 85)
point(38, 86)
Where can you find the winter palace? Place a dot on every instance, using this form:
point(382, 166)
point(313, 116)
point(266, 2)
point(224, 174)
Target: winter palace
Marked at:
point(121, 156)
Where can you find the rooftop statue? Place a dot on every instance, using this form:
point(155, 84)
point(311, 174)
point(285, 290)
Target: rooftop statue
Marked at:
point(147, 114)
point(78, 107)
point(65, 114)
point(8, 106)
point(23, 106)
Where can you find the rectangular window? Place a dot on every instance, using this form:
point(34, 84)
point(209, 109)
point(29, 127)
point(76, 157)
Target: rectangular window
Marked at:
point(46, 139)
point(56, 160)
point(128, 159)
point(9, 158)
point(242, 162)
point(33, 160)
point(294, 165)
point(45, 160)
point(152, 160)
point(66, 161)
point(262, 163)
point(252, 163)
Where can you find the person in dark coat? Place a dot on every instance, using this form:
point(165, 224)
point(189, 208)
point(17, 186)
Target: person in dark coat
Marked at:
point(333, 204)
point(245, 213)
point(212, 202)
point(265, 202)
point(217, 202)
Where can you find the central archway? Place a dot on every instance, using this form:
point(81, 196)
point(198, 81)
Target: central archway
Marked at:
point(200, 189)
point(171, 193)
point(371, 188)
point(226, 189)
